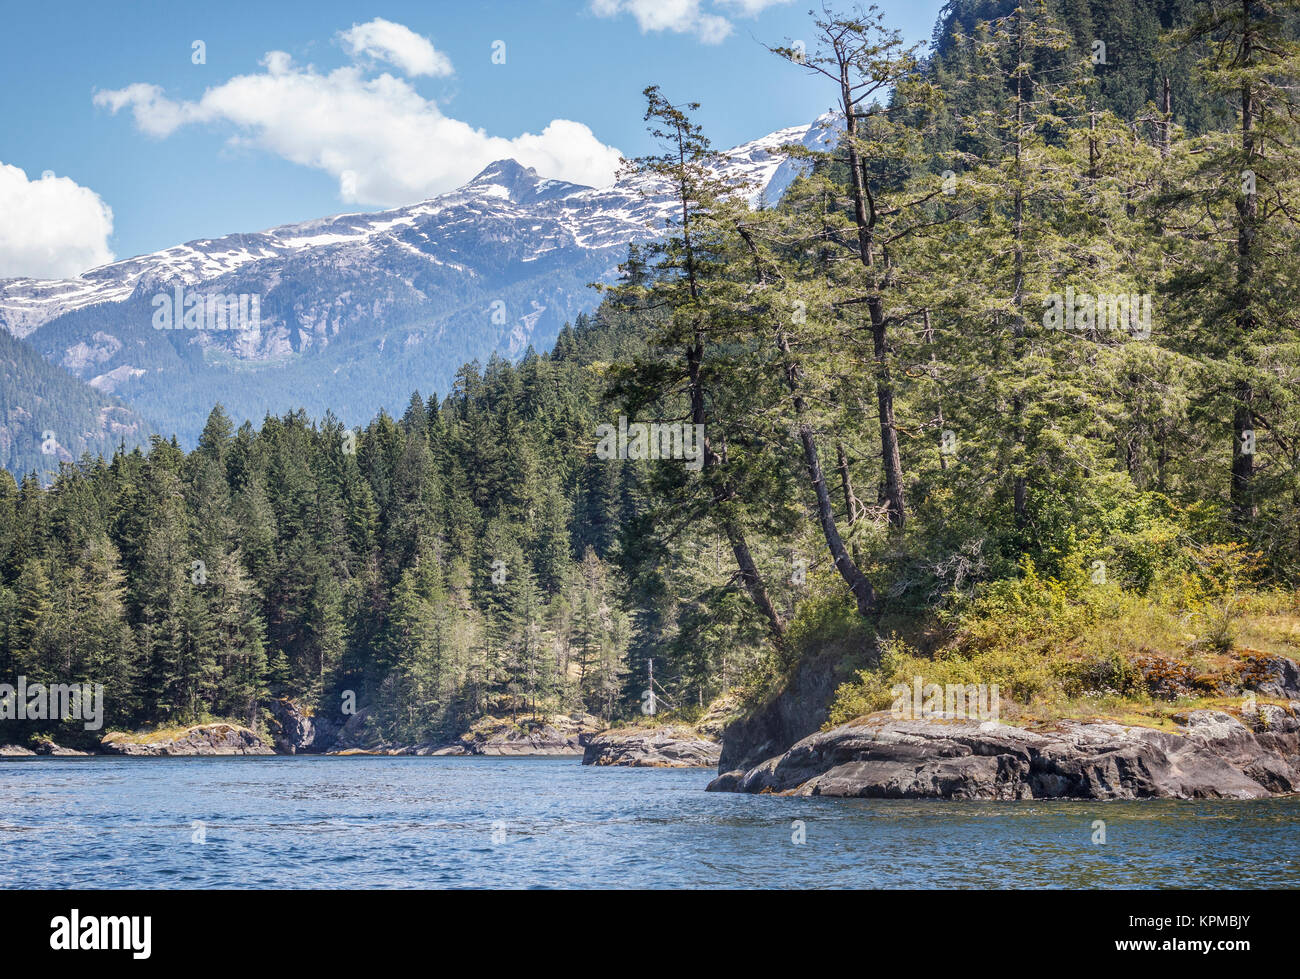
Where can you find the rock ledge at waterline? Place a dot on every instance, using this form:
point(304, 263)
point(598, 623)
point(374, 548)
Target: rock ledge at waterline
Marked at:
point(201, 739)
point(1212, 756)
point(662, 747)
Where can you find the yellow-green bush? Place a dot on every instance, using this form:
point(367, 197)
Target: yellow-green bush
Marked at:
point(1049, 644)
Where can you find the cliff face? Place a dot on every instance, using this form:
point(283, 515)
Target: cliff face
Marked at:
point(1212, 756)
point(800, 708)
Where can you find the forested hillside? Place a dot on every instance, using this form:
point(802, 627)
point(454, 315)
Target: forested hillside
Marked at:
point(48, 417)
point(1128, 44)
point(1006, 384)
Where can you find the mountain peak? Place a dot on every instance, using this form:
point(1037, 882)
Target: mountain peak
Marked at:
point(519, 184)
point(335, 289)
point(516, 182)
point(504, 172)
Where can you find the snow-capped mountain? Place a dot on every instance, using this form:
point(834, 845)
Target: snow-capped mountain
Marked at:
point(355, 311)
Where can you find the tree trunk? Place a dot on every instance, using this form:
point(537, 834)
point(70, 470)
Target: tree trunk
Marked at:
point(852, 505)
point(724, 492)
point(858, 584)
point(1241, 492)
point(864, 217)
point(1242, 499)
point(891, 460)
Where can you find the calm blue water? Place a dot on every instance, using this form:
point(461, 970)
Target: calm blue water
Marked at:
point(429, 822)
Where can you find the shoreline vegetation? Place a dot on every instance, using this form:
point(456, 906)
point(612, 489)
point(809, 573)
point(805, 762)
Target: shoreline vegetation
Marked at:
point(1105, 697)
point(910, 468)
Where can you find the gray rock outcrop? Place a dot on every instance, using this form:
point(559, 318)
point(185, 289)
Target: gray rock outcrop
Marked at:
point(293, 731)
point(1214, 755)
point(1273, 676)
point(663, 747)
point(44, 746)
point(559, 734)
point(202, 739)
point(800, 708)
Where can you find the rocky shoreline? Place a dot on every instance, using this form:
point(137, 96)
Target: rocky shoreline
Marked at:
point(293, 732)
point(197, 740)
point(782, 748)
point(1213, 755)
point(202, 739)
point(671, 746)
point(560, 735)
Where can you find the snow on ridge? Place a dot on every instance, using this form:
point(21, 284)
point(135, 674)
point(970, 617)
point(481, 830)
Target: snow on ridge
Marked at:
point(591, 218)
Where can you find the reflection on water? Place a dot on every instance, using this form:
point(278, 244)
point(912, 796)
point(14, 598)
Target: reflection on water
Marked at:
point(527, 822)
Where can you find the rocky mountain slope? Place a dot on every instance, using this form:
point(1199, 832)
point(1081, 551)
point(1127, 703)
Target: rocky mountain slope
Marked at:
point(355, 311)
point(48, 417)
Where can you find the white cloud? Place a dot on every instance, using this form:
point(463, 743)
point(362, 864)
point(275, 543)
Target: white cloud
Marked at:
point(683, 16)
point(678, 16)
point(154, 113)
point(751, 8)
point(53, 228)
point(384, 142)
point(398, 45)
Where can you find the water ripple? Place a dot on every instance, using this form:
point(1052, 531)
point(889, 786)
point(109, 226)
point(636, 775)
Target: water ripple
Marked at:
point(369, 822)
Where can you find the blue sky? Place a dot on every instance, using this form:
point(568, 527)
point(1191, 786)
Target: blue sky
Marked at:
point(365, 106)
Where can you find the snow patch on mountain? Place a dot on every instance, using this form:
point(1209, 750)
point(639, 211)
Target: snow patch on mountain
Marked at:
point(584, 217)
point(491, 268)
